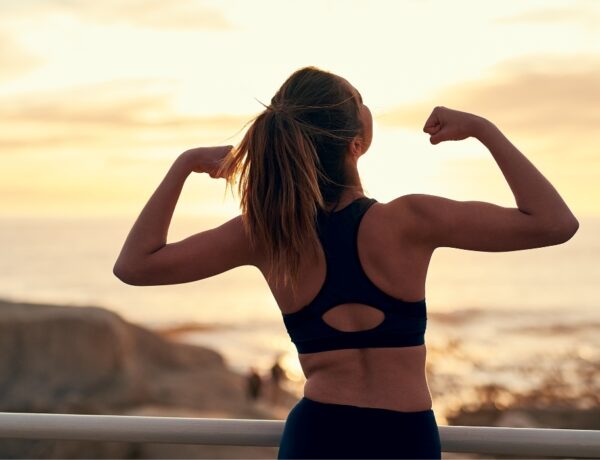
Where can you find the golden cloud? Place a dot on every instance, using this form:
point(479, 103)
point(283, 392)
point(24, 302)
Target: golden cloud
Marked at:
point(550, 97)
point(585, 14)
point(182, 14)
point(15, 60)
point(136, 112)
point(156, 14)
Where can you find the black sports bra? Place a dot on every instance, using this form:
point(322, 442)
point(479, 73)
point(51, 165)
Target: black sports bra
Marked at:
point(346, 282)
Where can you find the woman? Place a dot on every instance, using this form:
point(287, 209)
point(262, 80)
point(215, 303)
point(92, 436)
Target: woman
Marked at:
point(347, 272)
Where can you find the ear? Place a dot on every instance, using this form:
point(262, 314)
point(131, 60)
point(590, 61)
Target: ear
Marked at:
point(356, 146)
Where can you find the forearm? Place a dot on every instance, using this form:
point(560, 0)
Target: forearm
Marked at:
point(149, 233)
point(534, 194)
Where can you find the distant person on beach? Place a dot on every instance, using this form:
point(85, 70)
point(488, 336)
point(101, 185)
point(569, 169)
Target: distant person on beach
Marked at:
point(253, 384)
point(347, 271)
point(277, 373)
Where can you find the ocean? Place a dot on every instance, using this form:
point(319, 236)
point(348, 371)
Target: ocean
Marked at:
point(512, 321)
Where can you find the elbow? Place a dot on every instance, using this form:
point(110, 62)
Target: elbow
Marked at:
point(126, 275)
point(571, 228)
point(566, 230)
point(120, 273)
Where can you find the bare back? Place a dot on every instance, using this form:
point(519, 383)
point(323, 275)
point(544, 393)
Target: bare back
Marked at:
point(390, 378)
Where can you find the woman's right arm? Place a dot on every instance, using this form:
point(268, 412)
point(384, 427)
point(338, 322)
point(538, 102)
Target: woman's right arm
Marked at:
point(541, 217)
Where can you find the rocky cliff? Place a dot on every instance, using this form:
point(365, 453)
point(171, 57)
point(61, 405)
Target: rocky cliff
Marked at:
point(89, 360)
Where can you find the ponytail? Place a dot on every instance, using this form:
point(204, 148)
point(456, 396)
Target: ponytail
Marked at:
point(291, 163)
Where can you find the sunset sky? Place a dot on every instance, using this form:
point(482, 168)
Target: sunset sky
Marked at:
point(98, 98)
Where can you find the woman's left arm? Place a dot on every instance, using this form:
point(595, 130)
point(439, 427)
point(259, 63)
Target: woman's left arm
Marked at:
point(146, 258)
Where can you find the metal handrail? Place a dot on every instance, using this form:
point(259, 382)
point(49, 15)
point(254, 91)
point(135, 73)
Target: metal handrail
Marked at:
point(249, 432)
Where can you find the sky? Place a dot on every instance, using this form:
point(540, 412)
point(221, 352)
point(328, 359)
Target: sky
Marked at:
point(97, 99)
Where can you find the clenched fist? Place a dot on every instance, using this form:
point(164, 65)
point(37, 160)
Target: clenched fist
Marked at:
point(446, 124)
point(206, 159)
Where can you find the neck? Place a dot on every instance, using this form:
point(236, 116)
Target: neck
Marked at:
point(352, 191)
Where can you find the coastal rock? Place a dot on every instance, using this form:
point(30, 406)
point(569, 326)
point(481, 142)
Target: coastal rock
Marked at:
point(89, 360)
point(529, 417)
point(515, 419)
point(53, 357)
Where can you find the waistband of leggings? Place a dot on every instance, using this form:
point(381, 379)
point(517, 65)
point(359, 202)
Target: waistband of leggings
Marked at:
point(366, 409)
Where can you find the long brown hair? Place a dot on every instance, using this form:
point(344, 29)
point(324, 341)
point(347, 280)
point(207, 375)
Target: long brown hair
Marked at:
point(292, 164)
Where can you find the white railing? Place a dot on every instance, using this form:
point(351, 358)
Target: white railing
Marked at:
point(246, 432)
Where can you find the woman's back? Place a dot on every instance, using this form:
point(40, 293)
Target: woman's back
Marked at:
point(390, 377)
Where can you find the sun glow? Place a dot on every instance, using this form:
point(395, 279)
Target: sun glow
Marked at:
point(98, 99)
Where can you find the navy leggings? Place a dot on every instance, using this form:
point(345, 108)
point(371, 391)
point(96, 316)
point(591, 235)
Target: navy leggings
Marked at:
point(315, 429)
